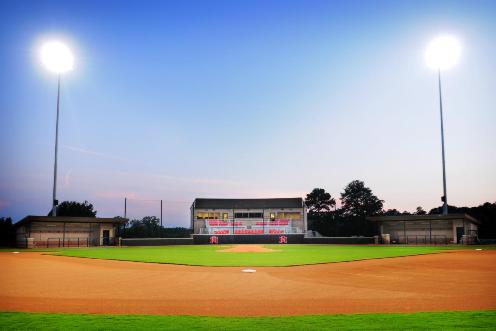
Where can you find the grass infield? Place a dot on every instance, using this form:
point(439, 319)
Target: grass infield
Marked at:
point(459, 320)
point(283, 255)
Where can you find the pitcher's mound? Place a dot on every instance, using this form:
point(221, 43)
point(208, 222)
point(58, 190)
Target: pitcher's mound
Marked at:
point(247, 248)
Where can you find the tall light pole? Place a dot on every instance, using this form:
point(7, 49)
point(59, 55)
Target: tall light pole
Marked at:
point(442, 54)
point(58, 59)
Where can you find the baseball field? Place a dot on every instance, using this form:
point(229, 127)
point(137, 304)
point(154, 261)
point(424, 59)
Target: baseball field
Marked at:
point(294, 287)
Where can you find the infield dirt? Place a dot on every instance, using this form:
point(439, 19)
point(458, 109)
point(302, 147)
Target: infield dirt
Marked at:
point(247, 249)
point(461, 280)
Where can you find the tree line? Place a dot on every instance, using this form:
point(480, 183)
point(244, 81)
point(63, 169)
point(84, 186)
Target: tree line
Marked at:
point(358, 202)
point(149, 227)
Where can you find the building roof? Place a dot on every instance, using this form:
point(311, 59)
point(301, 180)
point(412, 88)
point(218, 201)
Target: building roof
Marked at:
point(68, 219)
point(248, 203)
point(435, 217)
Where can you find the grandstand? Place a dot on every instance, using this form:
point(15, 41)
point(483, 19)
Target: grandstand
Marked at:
point(248, 216)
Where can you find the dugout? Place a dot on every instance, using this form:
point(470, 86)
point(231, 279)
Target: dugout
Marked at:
point(62, 231)
point(428, 229)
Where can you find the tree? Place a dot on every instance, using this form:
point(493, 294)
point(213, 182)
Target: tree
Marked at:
point(76, 209)
point(7, 232)
point(319, 200)
point(392, 212)
point(149, 227)
point(485, 213)
point(151, 224)
point(358, 200)
point(451, 209)
point(146, 227)
point(420, 211)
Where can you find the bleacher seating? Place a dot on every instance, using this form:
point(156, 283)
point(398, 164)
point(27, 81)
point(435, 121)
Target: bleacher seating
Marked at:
point(248, 231)
point(222, 223)
point(276, 222)
point(224, 226)
point(221, 231)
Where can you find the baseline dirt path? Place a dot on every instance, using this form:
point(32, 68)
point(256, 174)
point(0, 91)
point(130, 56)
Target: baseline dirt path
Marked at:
point(448, 281)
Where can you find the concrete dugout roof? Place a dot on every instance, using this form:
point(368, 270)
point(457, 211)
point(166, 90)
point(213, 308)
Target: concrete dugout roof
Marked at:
point(68, 219)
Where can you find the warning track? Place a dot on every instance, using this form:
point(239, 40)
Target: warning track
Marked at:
point(461, 280)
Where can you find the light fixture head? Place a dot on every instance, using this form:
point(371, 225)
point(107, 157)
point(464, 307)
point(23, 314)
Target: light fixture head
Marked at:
point(443, 52)
point(57, 57)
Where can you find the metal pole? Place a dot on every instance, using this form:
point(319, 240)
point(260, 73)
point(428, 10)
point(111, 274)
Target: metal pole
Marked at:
point(161, 232)
point(430, 232)
point(263, 221)
point(125, 207)
point(63, 237)
point(54, 196)
point(445, 202)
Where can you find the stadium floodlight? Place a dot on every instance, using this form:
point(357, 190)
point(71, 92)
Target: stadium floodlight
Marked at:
point(57, 58)
point(442, 53)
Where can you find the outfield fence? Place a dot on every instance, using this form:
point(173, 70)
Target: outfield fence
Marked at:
point(155, 241)
point(342, 240)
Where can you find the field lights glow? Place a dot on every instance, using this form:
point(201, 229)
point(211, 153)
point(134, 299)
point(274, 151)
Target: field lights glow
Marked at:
point(57, 57)
point(443, 53)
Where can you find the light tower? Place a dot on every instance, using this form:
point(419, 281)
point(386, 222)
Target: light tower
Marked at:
point(442, 54)
point(58, 59)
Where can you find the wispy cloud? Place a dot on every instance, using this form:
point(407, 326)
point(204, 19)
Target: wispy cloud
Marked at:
point(4, 204)
point(116, 195)
point(94, 153)
point(200, 181)
point(67, 178)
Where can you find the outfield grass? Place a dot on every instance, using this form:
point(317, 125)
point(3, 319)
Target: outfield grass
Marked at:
point(284, 255)
point(466, 320)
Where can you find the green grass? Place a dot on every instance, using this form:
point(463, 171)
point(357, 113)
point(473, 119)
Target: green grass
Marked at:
point(285, 255)
point(460, 320)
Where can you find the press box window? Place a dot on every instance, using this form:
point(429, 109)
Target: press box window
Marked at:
point(204, 215)
point(248, 215)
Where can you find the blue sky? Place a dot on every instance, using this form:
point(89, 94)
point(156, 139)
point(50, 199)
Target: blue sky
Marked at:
point(175, 100)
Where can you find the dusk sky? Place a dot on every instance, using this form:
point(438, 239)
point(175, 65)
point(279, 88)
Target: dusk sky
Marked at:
point(175, 100)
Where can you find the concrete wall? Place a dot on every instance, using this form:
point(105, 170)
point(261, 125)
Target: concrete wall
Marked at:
point(248, 239)
point(105, 226)
point(340, 240)
point(468, 228)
